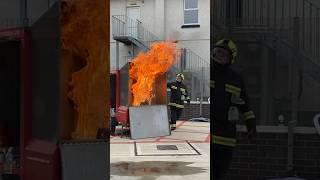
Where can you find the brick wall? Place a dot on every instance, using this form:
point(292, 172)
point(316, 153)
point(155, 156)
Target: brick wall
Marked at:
point(193, 110)
point(266, 157)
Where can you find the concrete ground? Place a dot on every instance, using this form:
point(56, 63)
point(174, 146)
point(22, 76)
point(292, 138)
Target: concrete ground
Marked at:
point(185, 154)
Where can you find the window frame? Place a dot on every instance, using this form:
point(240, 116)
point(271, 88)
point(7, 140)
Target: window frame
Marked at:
point(190, 9)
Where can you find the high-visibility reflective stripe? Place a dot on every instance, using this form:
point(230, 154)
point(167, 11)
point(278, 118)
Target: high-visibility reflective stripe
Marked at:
point(173, 125)
point(182, 89)
point(224, 141)
point(212, 84)
point(229, 86)
point(233, 87)
point(232, 91)
point(248, 115)
point(174, 87)
point(176, 105)
point(188, 97)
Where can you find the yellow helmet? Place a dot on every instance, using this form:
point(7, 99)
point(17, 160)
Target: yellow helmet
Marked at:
point(230, 46)
point(180, 75)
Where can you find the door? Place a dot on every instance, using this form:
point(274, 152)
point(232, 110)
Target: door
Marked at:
point(133, 22)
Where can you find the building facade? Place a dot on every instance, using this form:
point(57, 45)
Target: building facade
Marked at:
point(184, 21)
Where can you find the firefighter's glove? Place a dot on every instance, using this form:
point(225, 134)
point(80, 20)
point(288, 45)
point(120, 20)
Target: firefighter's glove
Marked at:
point(252, 133)
point(252, 128)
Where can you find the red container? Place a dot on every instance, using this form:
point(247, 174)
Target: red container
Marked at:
point(122, 114)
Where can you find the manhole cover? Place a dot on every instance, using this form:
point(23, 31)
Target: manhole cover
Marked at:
point(167, 147)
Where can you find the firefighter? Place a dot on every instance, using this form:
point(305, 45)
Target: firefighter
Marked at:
point(179, 94)
point(229, 101)
point(114, 122)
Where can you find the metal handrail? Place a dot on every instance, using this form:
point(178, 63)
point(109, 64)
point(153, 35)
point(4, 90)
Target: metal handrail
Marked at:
point(297, 22)
point(192, 65)
point(190, 61)
point(123, 26)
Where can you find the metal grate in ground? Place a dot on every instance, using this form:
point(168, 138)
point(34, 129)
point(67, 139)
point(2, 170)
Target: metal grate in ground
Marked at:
point(165, 149)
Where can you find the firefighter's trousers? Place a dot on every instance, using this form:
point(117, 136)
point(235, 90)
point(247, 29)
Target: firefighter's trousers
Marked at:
point(175, 115)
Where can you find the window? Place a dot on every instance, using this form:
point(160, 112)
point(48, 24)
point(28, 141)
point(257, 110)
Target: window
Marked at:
point(191, 12)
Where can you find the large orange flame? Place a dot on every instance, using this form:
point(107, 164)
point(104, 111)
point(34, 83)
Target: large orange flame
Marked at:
point(145, 68)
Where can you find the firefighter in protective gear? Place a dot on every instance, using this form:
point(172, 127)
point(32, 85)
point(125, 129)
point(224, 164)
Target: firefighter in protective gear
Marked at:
point(179, 94)
point(229, 101)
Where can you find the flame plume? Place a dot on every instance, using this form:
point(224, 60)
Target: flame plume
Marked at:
point(145, 69)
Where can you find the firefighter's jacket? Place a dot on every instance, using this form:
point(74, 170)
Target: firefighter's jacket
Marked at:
point(229, 99)
point(179, 94)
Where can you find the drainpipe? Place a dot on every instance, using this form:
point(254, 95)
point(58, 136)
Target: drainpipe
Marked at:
point(294, 100)
point(316, 121)
point(201, 89)
point(25, 16)
point(294, 116)
point(165, 20)
point(117, 55)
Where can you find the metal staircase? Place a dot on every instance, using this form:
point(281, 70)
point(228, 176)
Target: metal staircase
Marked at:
point(283, 25)
point(196, 69)
point(129, 31)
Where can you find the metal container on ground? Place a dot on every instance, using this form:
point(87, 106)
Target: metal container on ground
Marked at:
point(83, 160)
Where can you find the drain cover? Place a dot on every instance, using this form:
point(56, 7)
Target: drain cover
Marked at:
point(167, 147)
point(164, 149)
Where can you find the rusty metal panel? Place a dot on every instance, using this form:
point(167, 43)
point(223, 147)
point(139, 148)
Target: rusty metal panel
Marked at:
point(160, 91)
point(149, 121)
point(160, 88)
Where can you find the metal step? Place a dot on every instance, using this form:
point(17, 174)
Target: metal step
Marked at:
point(128, 40)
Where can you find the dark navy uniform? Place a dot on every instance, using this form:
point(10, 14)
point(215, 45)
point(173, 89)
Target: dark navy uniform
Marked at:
point(228, 92)
point(179, 94)
point(229, 101)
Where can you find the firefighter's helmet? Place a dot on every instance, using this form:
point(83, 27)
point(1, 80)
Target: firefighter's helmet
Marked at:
point(180, 75)
point(230, 46)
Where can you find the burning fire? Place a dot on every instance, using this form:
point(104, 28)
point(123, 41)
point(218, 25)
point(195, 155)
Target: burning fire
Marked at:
point(145, 69)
